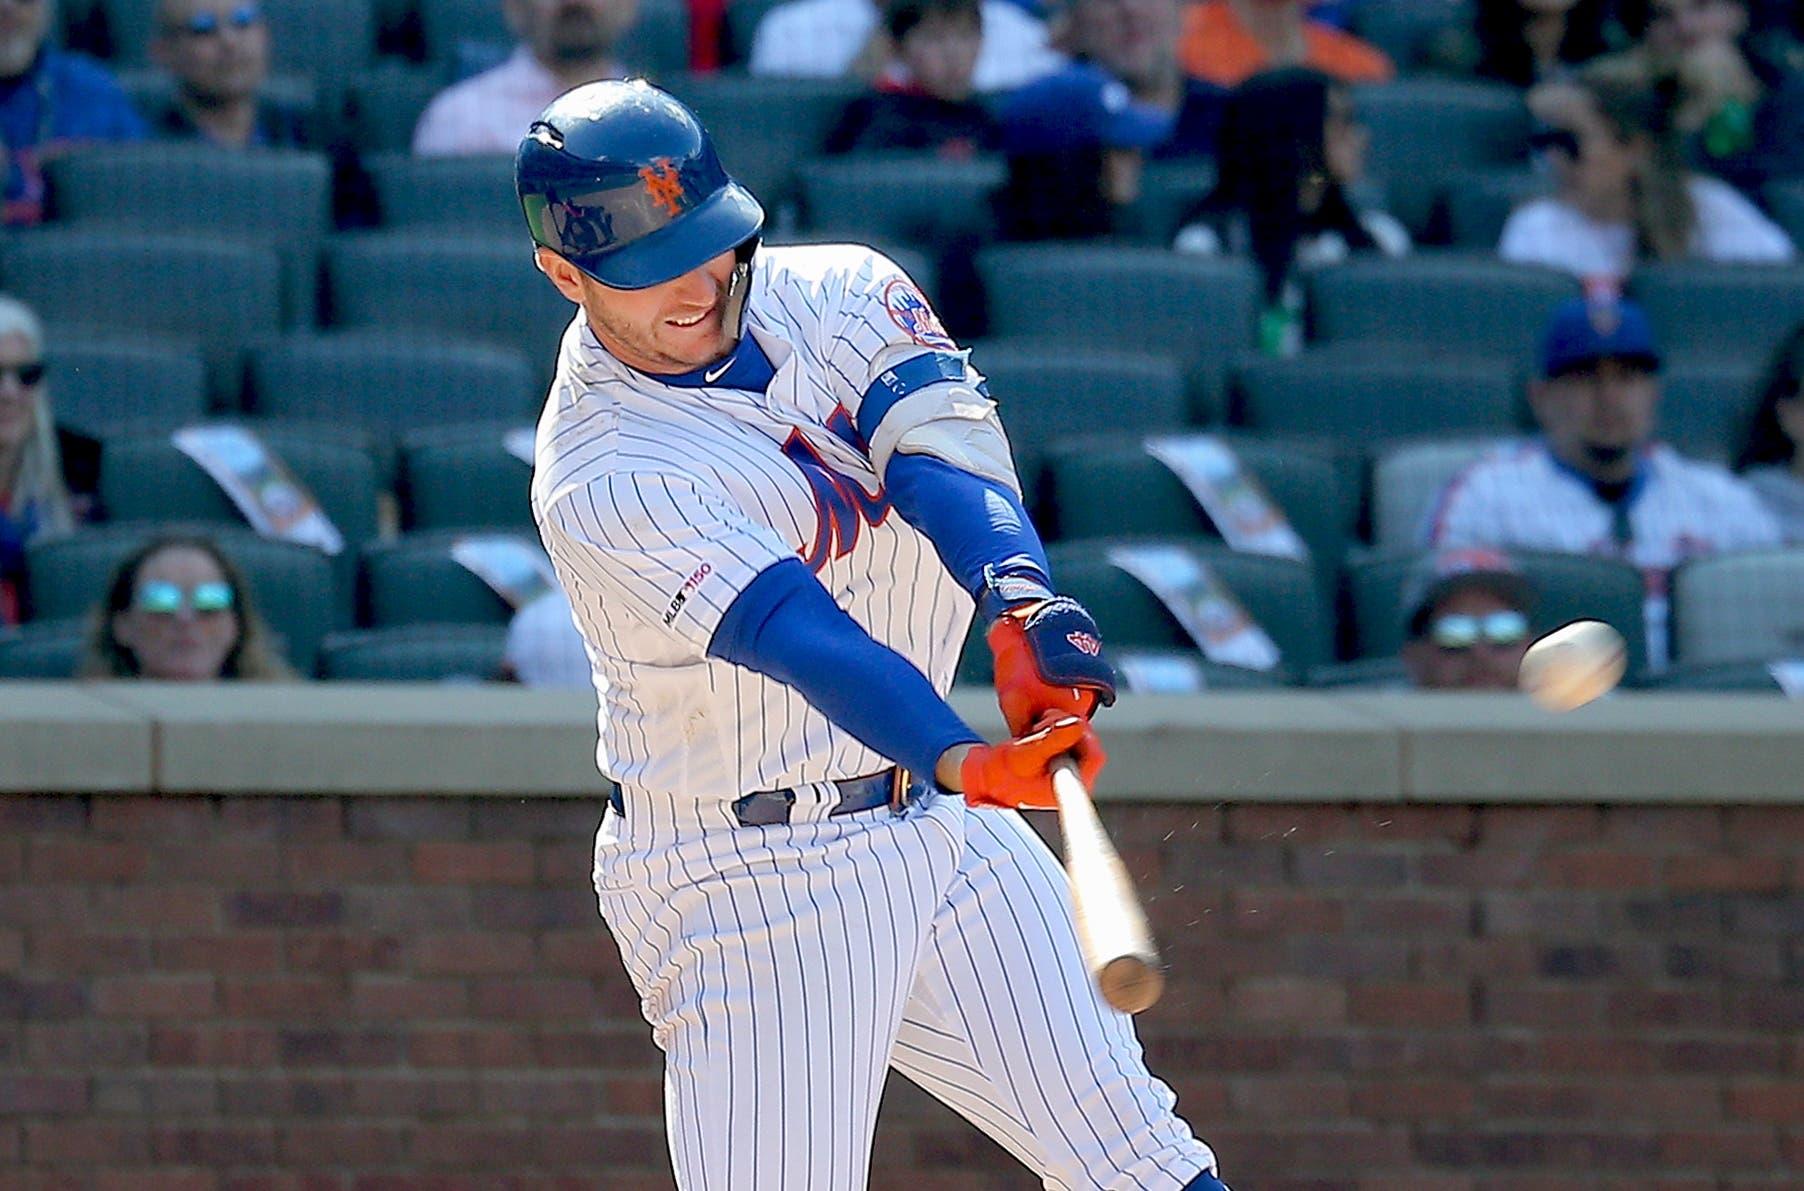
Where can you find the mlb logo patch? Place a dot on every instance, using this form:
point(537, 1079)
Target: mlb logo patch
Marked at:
point(910, 311)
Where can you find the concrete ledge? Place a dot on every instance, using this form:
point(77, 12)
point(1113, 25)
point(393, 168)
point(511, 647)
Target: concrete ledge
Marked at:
point(1229, 747)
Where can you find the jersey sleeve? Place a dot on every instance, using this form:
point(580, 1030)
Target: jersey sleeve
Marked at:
point(882, 319)
point(661, 547)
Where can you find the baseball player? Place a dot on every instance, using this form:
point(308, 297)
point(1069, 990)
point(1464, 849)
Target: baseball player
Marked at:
point(775, 490)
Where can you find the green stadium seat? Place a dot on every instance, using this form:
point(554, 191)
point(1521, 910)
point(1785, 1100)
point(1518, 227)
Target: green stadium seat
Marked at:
point(1407, 479)
point(918, 198)
point(1571, 586)
point(1382, 673)
point(1147, 301)
point(1424, 129)
point(1168, 189)
point(469, 193)
point(1046, 393)
point(1727, 677)
point(416, 653)
point(765, 128)
point(1704, 309)
point(1786, 202)
point(383, 105)
point(106, 386)
point(482, 289)
point(1359, 395)
point(389, 384)
point(1439, 305)
point(325, 40)
point(1739, 607)
point(50, 649)
point(464, 478)
point(1279, 594)
point(1706, 405)
point(414, 580)
point(1409, 30)
point(1479, 203)
point(912, 260)
point(292, 585)
point(658, 45)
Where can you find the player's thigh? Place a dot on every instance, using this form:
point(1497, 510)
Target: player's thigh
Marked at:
point(1004, 977)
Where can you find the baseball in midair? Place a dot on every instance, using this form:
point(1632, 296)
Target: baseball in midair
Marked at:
point(1574, 664)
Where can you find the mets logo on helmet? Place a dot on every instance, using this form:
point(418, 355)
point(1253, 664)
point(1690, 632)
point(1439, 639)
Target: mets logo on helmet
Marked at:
point(663, 185)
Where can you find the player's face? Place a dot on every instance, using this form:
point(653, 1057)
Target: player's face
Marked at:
point(1135, 40)
point(572, 32)
point(1597, 419)
point(18, 400)
point(217, 49)
point(941, 54)
point(1475, 642)
point(675, 327)
point(172, 639)
point(22, 26)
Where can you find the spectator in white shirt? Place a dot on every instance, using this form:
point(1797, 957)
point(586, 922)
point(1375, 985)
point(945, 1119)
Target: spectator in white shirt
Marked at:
point(830, 38)
point(544, 648)
point(1623, 193)
point(562, 44)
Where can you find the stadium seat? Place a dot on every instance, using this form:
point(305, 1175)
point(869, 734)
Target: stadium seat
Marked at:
point(1408, 29)
point(1703, 309)
point(1786, 202)
point(50, 649)
point(911, 260)
point(1571, 586)
point(382, 106)
point(389, 384)
point(1357, 395)
point(765, 128)
point(1739, 607)
point(440, 193)
point(84, 280)
point(466, 288)
point(1706, 405)
point(464, 478)
point(1149, 671)
point(1046, 393)
point(463, 31)
point(1479, 203)
point(325, 40)
point(292, 584)
point(416, 653)
point(102, 386)
point(414, 580)
point(1423, 129)
point(276, 197)
point(919, 198)
point(1168, 189)
point(742, 26)
point(1406, 481)
point(1111, 487)
point(1729, 677)
point(1279, 594)
point(1386, 673)
point(1136, 300)
point(1440, 304)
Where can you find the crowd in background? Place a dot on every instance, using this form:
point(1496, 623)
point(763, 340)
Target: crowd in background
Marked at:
point(1658, 127)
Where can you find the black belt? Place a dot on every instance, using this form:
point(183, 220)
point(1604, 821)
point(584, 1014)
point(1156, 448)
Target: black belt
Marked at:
point(769, 808)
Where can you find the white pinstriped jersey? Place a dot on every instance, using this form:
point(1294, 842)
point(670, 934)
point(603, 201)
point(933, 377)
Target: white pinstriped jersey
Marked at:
point(1521, 497)
point(658, 503)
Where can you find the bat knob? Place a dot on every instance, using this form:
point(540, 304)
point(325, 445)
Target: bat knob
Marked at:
point(1130, 984)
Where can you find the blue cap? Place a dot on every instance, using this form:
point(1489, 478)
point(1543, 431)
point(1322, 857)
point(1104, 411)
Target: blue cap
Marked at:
point(1583, 331)
point(1080, 106)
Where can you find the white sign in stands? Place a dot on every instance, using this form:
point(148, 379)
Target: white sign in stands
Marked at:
point(1789, 674)
point(1243, 512)
point(1190, 591)
point(517, 571)
point(520, 442)
point(274, 503)
point(1159, 673)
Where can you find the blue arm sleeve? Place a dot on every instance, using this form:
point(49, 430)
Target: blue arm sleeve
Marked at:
point(785, 626)
point(973, 522)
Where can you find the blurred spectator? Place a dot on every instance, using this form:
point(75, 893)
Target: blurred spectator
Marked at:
point(1077, 139)
point(544, 648)
point(218, 53)
point(1466, 621)
point(1622, 192)
point(50, 101)
point(1595, 481)
point(562, 44)
point(1741, 101)
point(1523, 42)
point(178, 610)
point(819, 39)
point(1772, 457)
point(1226, 42)
point(924, 101)
point(48, 475)
point(1290, 153)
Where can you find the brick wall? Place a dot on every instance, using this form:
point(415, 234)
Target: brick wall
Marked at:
point(374, 994)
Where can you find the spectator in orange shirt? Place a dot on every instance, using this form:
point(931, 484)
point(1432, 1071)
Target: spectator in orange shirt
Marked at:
point(1225, 42)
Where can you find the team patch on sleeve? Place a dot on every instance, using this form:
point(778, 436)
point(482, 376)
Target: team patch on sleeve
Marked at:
point(912, 313)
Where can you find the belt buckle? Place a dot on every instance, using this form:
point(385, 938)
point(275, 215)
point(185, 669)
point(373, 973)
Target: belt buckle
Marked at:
point(767, 808)
point(898, 790)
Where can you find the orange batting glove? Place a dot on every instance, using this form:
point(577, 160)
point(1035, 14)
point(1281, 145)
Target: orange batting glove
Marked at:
point(1017, 774)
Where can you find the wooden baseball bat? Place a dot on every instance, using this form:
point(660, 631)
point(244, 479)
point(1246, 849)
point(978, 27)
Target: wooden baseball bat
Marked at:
point(1111, 926)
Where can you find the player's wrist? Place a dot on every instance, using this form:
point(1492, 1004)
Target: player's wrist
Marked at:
point(949, 770)
point(1006, 589)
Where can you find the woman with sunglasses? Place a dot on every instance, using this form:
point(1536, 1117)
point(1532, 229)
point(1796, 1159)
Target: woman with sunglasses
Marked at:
point(48, 476)
point(178, 610)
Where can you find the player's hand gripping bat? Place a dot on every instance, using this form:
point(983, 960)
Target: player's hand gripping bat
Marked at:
point(1111, 926)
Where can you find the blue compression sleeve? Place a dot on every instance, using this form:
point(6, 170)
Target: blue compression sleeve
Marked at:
point(973, 522)
point(785, 626)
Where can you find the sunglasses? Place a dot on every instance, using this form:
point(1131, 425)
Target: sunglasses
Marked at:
point(166, 599)
point(1457, 632)
point(28, 374)
point(203, 24)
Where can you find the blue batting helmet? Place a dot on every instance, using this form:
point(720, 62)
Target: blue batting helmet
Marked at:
point(622, 180)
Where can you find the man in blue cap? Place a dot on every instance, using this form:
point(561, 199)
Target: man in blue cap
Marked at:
point(1596, 481)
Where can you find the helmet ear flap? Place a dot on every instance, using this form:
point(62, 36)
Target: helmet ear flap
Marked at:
point(739, 286)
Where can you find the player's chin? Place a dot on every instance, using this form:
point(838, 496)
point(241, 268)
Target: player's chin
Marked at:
point(697, 344)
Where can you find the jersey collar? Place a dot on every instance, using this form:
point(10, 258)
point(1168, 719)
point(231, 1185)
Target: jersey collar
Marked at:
point(1637, 482)
point(745, 367)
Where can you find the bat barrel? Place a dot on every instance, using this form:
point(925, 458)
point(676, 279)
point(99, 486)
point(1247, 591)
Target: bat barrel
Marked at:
point(1111, 927)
